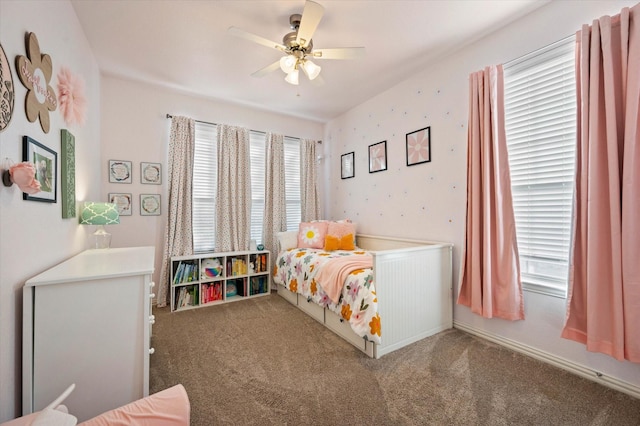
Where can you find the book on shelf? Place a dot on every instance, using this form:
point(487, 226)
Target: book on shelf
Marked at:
point(185, 273)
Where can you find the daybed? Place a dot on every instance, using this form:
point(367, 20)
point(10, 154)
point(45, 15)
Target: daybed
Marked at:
point(408, 290)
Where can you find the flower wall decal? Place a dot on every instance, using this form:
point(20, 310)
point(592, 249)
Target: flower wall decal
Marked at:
point(73, 103)
point(34, 71)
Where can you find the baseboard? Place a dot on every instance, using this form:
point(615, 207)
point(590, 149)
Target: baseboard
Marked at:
point(549, 358)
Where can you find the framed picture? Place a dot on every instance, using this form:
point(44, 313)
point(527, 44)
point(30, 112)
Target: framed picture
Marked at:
point(149, 205)
point(419, 146)
point(123, 202)
point(347, 165)
point(151, 173)
point(378, 157)
point(119, 171)
point(67, 174)
point(45, 161)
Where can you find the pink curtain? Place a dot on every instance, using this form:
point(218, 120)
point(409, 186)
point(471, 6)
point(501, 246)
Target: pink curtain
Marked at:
point(603, 307)
point(491, 284)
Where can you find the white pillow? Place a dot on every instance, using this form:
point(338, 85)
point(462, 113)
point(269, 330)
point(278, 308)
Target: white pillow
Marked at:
point(287, 240)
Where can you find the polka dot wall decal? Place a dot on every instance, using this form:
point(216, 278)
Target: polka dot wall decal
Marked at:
point(419, 92)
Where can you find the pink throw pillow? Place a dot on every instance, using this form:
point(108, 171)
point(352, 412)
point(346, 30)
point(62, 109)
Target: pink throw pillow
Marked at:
point(312, 234)
point(340, 229)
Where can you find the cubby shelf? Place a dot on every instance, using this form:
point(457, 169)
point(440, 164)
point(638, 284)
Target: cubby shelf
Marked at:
point(213, 278)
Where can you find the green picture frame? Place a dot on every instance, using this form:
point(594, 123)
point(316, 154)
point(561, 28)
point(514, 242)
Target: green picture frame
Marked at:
point(68, 174)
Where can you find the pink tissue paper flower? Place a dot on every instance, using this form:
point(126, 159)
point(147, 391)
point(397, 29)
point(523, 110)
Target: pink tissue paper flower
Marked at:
point(24, 175)
point(71, 99)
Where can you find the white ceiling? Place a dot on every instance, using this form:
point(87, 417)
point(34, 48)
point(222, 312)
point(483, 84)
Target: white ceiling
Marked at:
point(184, 45)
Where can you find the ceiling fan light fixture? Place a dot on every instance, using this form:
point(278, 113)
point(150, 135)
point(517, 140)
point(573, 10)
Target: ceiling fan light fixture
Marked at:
point(312, 70)
point(293, 77)
point(288, 63)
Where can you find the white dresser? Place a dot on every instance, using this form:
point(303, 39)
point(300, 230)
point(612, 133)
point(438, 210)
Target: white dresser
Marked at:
point(88, 321)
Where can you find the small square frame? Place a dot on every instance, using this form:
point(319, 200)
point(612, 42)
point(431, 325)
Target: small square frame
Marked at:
point(123, 202)
point(151, 173)
point(45, 161)
point(420, 139)
point(347, 169)
point(120, 171)
point(149, 204)
point(378, 157)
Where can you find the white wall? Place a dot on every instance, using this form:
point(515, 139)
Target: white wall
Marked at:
point(428, 201)
point(135, 128)
point(33, 235)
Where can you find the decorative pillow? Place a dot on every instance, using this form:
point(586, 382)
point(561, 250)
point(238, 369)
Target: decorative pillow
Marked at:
point(287, 240)
point(332, 242)
point(312, 234)
point(340, 229)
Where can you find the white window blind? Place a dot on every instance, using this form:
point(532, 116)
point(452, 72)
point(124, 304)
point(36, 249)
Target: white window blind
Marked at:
point(540, 120)
point(292, 182)
point(205, 178)
point(258, 155)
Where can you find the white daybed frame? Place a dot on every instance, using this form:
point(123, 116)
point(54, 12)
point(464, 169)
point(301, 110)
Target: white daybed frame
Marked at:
point(413, 281)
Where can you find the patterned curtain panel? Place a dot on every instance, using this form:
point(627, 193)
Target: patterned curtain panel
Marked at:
point(233, 202)
point(178, 237)
point(275, 215)
point(310, 201)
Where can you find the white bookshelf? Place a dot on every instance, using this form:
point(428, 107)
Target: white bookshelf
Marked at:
point(215, 278)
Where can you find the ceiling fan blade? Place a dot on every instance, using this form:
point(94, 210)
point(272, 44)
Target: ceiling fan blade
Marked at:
point(339, 53)
point(255, 38)
point(311, 16)
point(266, 70)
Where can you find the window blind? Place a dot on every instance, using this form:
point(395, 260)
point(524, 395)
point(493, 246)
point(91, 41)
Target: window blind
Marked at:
point(205, 161)
point(258, 157)
point(540, 120)
point(292, 182)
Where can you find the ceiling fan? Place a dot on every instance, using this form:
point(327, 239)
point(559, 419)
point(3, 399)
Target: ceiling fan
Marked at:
point(298, 46)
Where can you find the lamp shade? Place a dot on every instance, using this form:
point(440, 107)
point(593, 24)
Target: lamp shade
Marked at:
point(292, 77)
point(288, 63)
point(312, 70)
point(94, 213)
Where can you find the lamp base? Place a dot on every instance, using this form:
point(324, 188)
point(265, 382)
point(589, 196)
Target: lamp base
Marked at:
point(101, 239)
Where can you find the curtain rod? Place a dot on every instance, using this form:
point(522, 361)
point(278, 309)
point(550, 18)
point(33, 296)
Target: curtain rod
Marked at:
point(257, 131)
point(534, 53)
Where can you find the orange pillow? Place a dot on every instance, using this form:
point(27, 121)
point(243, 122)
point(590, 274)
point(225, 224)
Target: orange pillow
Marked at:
point(345, 242)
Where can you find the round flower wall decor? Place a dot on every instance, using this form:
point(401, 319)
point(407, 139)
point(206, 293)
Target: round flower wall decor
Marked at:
point(7, 94)
point(73, 103)
point(34, 71)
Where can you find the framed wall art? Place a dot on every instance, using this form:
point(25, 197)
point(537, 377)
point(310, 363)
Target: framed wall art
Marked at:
point(151, 173)
point(149, 205)
point(68, 174)
point(378, 157)
point(123, 202)
point(419, 146)
point(45, 161)
point(347, 169)
point(119, 171)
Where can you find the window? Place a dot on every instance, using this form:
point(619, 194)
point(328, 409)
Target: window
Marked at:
point(205, 181)
point(205, 185)
point(292, 182)
point(258, 158)
point(540, 120)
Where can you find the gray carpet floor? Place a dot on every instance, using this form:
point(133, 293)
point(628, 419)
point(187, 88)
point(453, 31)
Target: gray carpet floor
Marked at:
point(264, 362)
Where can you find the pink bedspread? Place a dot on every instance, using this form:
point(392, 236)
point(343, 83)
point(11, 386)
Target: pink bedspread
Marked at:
point(333, 275)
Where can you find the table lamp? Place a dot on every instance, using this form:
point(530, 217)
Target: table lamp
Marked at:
point(94, 213)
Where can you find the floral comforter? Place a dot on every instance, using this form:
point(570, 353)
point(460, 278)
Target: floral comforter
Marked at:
point(296, 269)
